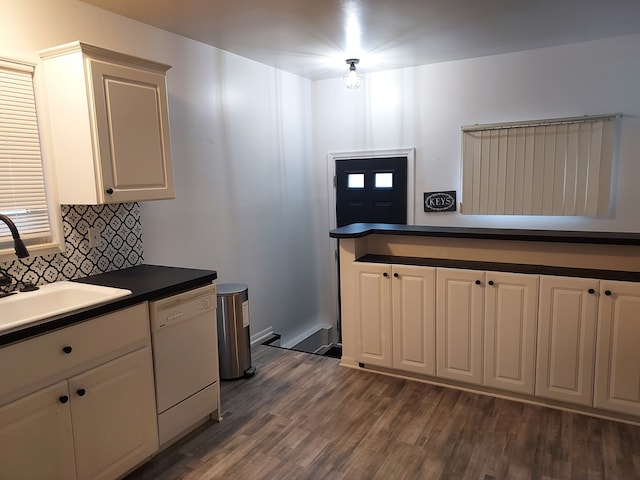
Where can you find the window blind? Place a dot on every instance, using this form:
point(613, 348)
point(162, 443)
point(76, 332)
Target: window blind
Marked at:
point(555, 167)
point(22, 189)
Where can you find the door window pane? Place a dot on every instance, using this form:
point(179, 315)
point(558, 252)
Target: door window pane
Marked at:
point(356, 180)
point(384, 180)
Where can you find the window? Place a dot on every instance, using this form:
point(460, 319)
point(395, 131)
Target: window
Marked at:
point(384, 180)
point(22, 178)
point(551, 167)
point(355, 180)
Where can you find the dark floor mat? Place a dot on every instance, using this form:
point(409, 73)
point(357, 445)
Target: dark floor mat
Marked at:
point(333, 352)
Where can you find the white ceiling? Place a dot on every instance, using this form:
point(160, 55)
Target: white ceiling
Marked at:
point(312, 38)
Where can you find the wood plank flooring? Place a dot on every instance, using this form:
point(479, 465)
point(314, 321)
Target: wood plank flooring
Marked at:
point(304, 417)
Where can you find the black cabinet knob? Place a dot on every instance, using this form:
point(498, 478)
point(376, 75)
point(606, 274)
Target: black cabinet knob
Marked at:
point(63, 399)
point(607, 292)
point(591, 291)
point(81, 392)
point(109, 191)
point(396, 275)
point(478, 282)
point(490, 282)
point(67, 349)
point(385, 274)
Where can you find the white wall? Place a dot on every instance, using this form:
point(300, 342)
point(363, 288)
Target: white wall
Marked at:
point(241, 142)
point(425, 107)
point(250, 142)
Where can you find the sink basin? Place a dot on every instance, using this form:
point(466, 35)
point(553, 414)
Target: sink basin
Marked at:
point(52, 299)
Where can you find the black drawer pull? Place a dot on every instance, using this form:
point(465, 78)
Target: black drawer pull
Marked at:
point(81, 392)
point(63, 399)
point(385, 274)
point(396, 275)
point(607, 293)
point(591, 291)
point(67, 349)
point(490, 282)
point(478, 282)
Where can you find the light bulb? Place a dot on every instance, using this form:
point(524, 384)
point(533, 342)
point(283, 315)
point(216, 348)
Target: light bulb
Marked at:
point(351, 77)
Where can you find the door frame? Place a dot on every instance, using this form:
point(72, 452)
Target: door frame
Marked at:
point(410, 154)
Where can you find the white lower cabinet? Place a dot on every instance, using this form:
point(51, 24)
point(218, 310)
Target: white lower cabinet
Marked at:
point(566, 339)
point(617, 384)
point(372, 314)
point(413, 299)
point(459, 312)
point(486, 324)
point(394, 317)
point(510, 318)
point(36, 439)
point(524, 333)
point(114, 422)
point(96, 420)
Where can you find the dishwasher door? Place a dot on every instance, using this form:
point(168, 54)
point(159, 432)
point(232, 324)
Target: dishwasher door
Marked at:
point(184, 338)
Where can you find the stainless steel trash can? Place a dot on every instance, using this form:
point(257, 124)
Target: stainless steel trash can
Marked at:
point(234, 347)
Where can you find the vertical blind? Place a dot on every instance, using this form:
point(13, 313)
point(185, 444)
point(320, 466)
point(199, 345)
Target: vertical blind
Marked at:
point(22, 189)
point(554, 167)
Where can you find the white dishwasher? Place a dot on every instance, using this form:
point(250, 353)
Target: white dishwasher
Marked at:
point(185, 360)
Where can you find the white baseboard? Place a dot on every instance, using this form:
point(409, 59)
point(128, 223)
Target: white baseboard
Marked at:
point(261, 336)
point(303, 336)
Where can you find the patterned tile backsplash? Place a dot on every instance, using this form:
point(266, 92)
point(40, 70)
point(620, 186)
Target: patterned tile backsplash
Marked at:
point(121, 245)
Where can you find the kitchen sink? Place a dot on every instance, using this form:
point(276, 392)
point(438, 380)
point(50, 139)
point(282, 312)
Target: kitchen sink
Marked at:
point(52, 299)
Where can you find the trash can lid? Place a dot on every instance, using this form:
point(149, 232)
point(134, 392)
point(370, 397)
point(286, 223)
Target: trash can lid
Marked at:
point(231, 288)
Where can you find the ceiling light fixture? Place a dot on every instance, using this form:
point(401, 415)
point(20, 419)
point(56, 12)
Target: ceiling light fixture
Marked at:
point(351, 77)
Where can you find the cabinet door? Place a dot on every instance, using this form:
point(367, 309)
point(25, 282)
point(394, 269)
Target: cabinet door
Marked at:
point(372, 310)
point(114, 416)
point(413, 299)
point(459, 311)
point(35, 436)
point(511, 308)
point(566, 339)
point(618, 355)
point(133, 133)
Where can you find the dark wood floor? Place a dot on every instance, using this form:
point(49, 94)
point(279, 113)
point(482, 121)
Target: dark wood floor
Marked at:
point(304, 417)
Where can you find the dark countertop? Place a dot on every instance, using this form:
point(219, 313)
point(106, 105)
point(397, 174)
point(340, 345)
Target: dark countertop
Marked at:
point(146, 282)
point(358, 230)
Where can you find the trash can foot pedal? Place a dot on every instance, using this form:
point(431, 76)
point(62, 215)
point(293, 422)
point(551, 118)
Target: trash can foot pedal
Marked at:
point(249, 372)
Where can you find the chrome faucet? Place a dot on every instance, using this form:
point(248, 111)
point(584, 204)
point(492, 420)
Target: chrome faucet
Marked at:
point(18, 245)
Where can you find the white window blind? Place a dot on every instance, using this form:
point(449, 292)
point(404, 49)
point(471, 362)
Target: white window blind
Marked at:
point(552, 167)
point(22, 188)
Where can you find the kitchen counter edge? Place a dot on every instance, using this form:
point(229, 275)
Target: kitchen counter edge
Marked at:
point(358, 230)
point(146, 282)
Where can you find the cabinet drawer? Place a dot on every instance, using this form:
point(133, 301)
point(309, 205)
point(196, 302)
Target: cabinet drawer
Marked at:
point(42, 360)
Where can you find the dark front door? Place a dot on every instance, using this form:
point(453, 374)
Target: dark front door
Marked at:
point(372, 190)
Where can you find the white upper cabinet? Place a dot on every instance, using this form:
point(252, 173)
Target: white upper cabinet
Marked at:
point(109, 125)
